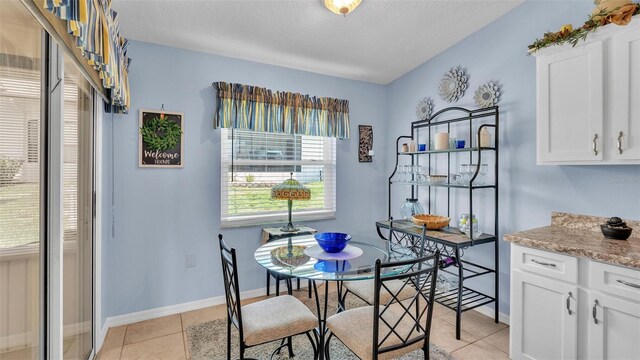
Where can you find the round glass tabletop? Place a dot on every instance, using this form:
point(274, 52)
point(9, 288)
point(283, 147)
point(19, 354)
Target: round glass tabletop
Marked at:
point(287, 257)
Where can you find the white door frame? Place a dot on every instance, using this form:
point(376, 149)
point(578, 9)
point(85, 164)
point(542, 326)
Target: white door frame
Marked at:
point(54, 186)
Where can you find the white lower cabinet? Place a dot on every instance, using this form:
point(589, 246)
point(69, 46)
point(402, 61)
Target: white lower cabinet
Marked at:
point(614, 329)
point(543, 318)
point(594, 315)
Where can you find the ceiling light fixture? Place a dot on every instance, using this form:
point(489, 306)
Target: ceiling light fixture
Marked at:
point(341, 7)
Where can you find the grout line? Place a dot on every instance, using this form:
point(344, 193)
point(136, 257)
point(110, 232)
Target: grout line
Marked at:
point(184, 345)
point(124, 338)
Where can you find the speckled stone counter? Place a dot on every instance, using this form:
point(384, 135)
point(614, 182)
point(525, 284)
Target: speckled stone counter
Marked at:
point(579, 235)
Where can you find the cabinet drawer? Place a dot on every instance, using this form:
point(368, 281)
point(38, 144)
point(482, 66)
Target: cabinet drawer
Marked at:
point(615, 280)
point(557, 266)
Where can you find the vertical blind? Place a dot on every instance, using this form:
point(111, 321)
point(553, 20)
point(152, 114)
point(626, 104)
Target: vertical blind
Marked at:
point(252, 162)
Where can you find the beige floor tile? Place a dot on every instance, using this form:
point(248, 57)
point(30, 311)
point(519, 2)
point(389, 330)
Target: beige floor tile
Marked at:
point(439, 310)
point(479, 350)
point(20, 354)
point(110, 354)
point(153, 328)
point(499, 340)
point(115, 337)
point(443, 335)
point(202, 315)
point(169, 347)
point(475, 323)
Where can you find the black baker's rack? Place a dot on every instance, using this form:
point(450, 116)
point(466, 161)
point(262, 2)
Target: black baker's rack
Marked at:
point(450, 241)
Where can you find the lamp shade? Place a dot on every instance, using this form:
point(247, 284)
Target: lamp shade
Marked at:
point(341, 7)
point(290, 189)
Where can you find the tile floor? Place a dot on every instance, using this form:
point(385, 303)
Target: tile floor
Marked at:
point(165, 337)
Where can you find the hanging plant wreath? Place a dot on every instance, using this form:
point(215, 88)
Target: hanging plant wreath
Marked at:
point(606, 12)
point(160, 133)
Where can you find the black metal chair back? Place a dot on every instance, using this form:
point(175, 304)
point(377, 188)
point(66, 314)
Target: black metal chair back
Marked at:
point(403, 322)
point(231, 287)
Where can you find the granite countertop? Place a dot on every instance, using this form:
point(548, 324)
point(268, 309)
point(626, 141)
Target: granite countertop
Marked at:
point(579, 235)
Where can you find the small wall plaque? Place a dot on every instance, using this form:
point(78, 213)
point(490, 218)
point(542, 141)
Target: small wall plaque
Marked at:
point(161, 139)
point(366, 143)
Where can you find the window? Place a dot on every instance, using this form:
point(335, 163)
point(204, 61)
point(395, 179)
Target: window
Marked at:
point(253, 162)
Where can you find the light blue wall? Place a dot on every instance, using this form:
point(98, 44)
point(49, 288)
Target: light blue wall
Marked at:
point(528, 192)
point(161, 215)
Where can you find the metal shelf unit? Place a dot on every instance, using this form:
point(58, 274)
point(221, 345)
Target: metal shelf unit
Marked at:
point(450, 241)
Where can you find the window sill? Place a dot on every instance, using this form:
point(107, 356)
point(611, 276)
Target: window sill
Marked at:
point(253, 220)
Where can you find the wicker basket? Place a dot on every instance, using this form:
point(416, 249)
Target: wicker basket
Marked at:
point(433, 222)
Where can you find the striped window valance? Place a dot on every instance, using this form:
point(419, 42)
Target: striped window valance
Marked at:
point(259, 109)
point(96, 30)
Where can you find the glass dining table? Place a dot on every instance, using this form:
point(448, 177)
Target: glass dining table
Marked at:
point(287, 256)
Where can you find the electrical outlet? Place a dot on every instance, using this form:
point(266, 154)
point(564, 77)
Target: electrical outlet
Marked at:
point(191, 260)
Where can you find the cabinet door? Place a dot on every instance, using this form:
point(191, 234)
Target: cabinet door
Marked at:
point(570, 105)
point(624, 135)
point(543, 318)
point(614, 328)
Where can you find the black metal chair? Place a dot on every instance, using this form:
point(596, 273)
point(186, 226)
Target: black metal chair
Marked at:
point(277, 318)
point(398, 326)
point(365, 289)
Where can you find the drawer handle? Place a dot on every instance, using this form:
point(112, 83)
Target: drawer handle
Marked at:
point(595, 145)
point(569, 303)
point(594, 311)
point(620, 142)
point(543, 263)
point(628, 284)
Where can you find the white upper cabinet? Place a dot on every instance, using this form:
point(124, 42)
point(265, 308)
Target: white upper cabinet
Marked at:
point(587, 99)
point(570, 104)
point(625, 89)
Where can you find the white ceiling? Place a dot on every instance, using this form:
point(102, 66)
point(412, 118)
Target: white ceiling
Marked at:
point(378, 42)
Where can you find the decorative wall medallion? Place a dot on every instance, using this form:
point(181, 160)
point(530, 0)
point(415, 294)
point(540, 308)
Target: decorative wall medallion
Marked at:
point(488, 94)
point(366, 143)
point(424, 108)
point(453, 85)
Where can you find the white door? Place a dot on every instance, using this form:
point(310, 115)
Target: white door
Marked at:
point(624, 135)
point(614, 328)
point(543, 318)
point(570, 105)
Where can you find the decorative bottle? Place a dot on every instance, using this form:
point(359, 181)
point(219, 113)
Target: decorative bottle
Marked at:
point(411, 207)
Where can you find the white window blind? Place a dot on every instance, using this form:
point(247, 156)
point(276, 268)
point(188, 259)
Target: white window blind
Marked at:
point(19, 152)
point(20, 156)
point(253, 162)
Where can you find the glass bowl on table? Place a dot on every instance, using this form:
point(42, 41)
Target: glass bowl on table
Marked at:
point(332, 242)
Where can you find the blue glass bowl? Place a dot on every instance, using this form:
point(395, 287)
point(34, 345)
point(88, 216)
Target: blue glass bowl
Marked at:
point(332, 242)
point(332, 266)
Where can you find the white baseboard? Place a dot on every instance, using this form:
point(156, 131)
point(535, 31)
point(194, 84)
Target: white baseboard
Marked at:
point(489, 311)
point(131, 318)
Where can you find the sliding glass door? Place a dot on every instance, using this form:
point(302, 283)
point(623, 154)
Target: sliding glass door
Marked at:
point(46, 195)
point(77, 215)
point(21, 182)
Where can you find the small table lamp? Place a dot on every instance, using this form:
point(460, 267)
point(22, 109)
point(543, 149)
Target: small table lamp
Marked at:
point(290, 190)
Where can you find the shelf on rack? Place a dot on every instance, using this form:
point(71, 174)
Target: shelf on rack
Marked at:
point(471, 299)
point(446, 151)
point(449, 236)
point(443, 185)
